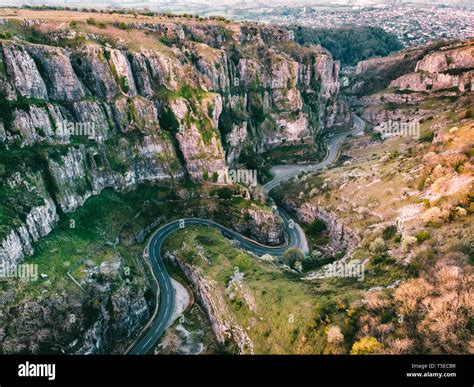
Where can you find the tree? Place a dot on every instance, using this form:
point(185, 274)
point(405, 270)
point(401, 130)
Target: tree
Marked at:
point(316, 227)
point(409, 295)
point(335, 335)
point(292, 255)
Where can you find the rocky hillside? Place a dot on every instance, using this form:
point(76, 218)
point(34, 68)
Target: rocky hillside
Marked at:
point(377, 73)
point(414, 83)
point(100, 115)
point(403, 206)
point(167, 100)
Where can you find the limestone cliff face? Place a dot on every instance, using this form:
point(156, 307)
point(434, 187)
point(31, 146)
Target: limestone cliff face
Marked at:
point(56, 70)
point(46, 324)
point(290, 96)
point(441, 70)
point(24, 75)
point(198, 138)
point(226, 329)
point(439, 61)
point(34, 215)
point(341, 237)
point(262, 224)
point(377, 73)
point(156, 114)
point(406, 81)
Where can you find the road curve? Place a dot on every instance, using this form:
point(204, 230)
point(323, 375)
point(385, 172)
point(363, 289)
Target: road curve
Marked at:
point(295, 237)
point(282, 173)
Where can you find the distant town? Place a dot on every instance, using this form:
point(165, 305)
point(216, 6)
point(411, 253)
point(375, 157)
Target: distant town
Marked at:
point(414, 23)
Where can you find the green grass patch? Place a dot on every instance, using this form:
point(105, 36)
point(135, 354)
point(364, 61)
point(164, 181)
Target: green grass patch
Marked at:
point(286, 314)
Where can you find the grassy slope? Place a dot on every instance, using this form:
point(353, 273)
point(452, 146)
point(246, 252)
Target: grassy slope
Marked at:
point(291, 315)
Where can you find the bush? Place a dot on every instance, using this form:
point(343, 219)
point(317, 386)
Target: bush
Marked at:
point(5, 35)
point(91, 21)
point(407, 243)
point(426, 136)
point(435, 215)
point(292, 255)
point(378, 246)
point(224, 193)
point(366, 346)
point(316, 227)
point(440, 309)
point(389, 232)
point(422, 236)
point(334, 335)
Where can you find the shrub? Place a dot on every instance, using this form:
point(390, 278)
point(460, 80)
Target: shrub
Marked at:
point(422, 236)
point(292, 255)
point(334, 335)
point(407, 243)
point(441, 310)
point(426, 136)
point(123, 83)
point(316, 227)
point(91, 21)
point(408, 295)
point(400, 346)
point(389, 232)
point(378, 246)
point(435, 215)
point(224, 193)
point(366, 346)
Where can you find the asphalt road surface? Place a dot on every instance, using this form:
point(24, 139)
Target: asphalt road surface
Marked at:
point(295, 237)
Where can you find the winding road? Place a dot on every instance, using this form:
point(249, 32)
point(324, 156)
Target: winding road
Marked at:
point(295, 237)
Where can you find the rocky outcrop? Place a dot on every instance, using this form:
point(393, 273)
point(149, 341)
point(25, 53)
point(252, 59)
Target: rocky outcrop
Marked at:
point(158, 114)
point(56, 70)
point(86, 171)
point(440, 70)
point(23, 72)
point(223, 324)
point(213, 65)
point(93, 68)
point(35, 220)
point(59, 324)
point(341, 237)
point(377, 73)
point(379, 65)
point(422, 82)
point(199, 141)
point(236, 139)
point(441, 66)
point(260, 223)
point(445, 60)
